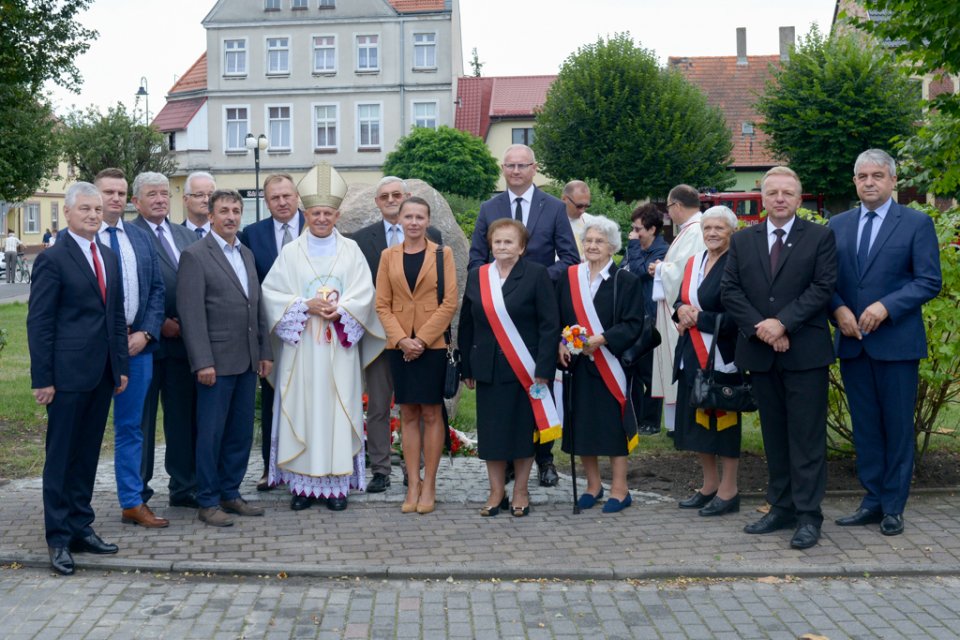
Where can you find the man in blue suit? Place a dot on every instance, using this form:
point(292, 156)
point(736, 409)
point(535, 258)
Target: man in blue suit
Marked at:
point(143, 310)
point(550, 241)
point(78, 359)
point(265, 239)
point(889, 266)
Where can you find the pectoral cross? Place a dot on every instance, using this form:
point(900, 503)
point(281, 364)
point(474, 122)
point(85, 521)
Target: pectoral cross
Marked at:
point(324, 292)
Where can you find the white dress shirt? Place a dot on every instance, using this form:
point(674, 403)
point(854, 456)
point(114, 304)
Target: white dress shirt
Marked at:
point(128, 264)
point(232, 253)
point(525, 202)
point(293, 225)
point(167, 234)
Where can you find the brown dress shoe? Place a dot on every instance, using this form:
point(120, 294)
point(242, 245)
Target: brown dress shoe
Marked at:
point(241, 507)
point(215, 517)
point(143, 516)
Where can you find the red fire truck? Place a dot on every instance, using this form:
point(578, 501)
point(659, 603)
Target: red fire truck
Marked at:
point(747, 204)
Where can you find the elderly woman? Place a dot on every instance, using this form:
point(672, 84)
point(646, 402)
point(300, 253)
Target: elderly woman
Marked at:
point(508, 340)
point(415, 325)
point(607, 302)
point(713, 435)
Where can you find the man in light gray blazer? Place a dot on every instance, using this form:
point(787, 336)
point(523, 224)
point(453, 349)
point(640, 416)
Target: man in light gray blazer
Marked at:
point(228, 345)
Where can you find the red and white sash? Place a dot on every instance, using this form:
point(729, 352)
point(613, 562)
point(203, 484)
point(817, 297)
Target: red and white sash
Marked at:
point(610, 370)
point(516, 352)
point(688, 295)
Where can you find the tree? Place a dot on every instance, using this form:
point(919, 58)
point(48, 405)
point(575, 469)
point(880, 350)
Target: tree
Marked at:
point(613, 115)
point(92, 141)
point(475, 63)
point(450, 160)
point(833, 99)
point(28, 146)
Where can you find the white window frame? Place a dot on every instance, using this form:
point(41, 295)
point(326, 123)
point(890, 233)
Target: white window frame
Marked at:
point(269, 51)
point(272, 5)
point(314, 48)
point(417, 47)
point(241, 53)
point(357, 47)
point(55, 215)
point(336, 124)
point(242, 148)
point(31, 223)
point(275, 144)
point(413, 113)
point(328, 4)
point(299, 5)
point(360, 123)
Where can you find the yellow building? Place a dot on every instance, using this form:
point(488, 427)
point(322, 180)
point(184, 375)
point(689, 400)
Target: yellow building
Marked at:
point(41, 211)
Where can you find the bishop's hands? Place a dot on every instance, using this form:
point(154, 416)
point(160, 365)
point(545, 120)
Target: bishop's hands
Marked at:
point(327, 309)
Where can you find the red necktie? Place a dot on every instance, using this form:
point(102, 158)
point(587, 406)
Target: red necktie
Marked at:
point(99, 271)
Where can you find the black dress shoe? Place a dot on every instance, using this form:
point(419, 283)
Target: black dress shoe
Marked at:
point(337, 504)
point(61, 560)
point(188, 501)
point(548, 475)
point(299, 503)
point(806, 536)
point(379, 483)
point(92, 544)
point(648, 428)
point(697, 500)
point(718, 506)
point(860, 517)
point(892, 524)
point(769, 523)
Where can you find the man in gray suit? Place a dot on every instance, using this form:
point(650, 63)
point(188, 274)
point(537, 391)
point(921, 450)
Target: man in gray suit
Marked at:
point(172, 383)
point(228, 344)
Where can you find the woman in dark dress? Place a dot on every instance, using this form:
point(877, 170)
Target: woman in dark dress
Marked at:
point(508, 321)
point(415, 326)
point(713, 435)
point(603, 422)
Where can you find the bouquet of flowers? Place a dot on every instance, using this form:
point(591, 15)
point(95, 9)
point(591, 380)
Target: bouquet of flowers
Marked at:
point(574, 339)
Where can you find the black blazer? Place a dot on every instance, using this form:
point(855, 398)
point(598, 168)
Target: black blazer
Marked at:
point(70, 331)
point(529, 297)
point(259, 237)
point(798, 295)
point(372, 240)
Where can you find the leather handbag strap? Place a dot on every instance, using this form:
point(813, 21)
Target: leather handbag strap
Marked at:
point(446, 334)
point(713, 347)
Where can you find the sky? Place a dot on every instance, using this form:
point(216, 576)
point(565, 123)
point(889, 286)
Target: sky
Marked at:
point(158, 40)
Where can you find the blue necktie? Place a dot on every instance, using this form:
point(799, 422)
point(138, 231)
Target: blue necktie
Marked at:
point(115, 245)
point(864, 250)
point(199, 231)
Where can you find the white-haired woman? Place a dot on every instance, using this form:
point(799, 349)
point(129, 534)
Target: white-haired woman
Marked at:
point(715, 436)
point(608, 303)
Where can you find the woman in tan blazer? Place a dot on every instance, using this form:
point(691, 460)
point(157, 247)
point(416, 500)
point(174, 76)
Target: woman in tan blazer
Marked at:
point(415, 324)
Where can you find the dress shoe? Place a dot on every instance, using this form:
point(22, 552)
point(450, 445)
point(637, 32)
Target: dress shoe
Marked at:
point(548, 475)
point(61, 560)
point(769, 523)
point(264, 484)
point(241, 507)
point(860, 517)
point(805, 536)
point(697, 500)
point(588, 500)
point(648, 428)
point(337, 504)
point(92, 544)
point(489, 511)
point(215, 517)
point(612, 505)
point(892, 524)
point(520, 512)
point(143, 516)
point(187, 501)
point(299, 503)
point(718, 506)
point(426, 507)
point(378, 484)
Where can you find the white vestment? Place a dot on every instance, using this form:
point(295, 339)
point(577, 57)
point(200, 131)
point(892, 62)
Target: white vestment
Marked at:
point(318, 429)
point(689, 242)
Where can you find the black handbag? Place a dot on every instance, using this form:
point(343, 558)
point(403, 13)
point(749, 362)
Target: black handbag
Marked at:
point(648, 339)
point(451, 375)
point(716, 390)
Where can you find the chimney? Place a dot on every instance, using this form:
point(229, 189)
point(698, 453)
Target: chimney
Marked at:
point(741, 46)
point(787, 41)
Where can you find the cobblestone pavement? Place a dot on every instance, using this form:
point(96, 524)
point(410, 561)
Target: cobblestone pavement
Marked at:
point(35, 604)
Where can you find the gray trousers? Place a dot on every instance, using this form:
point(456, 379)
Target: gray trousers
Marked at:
point(379, 394)
point(10, 264)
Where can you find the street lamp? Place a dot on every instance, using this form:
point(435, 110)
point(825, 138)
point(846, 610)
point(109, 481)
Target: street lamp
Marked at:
point(142, 93)
point(258, 144)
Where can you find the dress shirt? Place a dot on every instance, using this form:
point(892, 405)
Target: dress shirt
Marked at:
point(167, 233)
point(11, 244)
point(85, 247)
point(600, 277)
point(293, 225)
point(527, 200)
point(128, 263)
point(881, 212)
point(232, 254)
point(398, 234)
point(193, 227)
point(772, 237)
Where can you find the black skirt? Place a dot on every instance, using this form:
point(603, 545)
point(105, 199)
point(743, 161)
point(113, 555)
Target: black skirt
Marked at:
point(419, 381)
point(596, 420)
point(709, 435)
point(505, 421)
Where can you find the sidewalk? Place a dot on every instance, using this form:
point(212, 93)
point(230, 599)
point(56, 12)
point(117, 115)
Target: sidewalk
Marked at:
point(372, 539)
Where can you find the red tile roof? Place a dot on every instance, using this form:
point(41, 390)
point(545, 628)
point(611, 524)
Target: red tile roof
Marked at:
point(483, 100)
point(177, 114)
point(418, 6)
point(734, 89)
point(195, 79)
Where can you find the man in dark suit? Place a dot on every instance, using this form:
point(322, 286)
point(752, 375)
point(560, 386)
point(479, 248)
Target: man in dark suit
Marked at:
point(172, 382)
point(143, 312)
point(77, 336)
point(197, 189)
point(777, 285)
point(228, 344)
point(889, 266)
point(372, 240)
point(551, 241)
point(265, 239)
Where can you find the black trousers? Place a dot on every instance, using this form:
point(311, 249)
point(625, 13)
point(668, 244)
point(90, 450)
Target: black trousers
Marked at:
point(266, 421)
point(174, 385)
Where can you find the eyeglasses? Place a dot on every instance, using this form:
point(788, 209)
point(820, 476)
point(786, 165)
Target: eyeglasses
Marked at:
point(199, 196)
point(671, 204)
point(393, 195)
point(580, 207)
point(517, 166)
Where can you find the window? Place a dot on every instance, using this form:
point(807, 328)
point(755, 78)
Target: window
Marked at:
point(237, 128)
point(54, 215)
point(523, 136)
point(235, 57)
point(300, 4)
point(425, 50)
point(271, 5)
point(325, 124)
point(425, 114)
point(278, 128)
point(368, 122)
point(328, 4)
point(278, 56)
point(368, 58)
point(324, 54)
point(31, 213)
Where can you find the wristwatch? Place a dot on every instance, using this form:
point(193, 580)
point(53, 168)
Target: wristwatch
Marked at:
point(147, 335)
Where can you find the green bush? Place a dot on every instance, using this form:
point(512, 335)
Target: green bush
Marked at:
point(465, 210)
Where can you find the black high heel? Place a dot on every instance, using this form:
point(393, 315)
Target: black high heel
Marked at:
point(718, 506)
point(489, 511)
